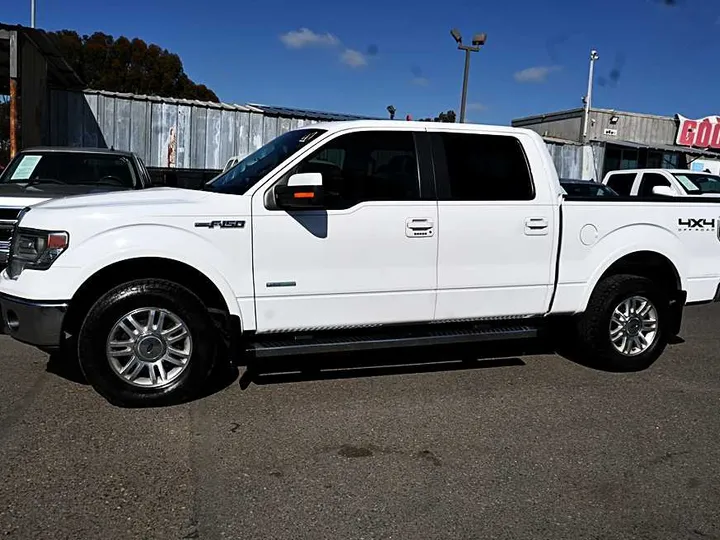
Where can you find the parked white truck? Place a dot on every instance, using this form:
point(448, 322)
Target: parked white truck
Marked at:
point(663, 183)
point(351, 236)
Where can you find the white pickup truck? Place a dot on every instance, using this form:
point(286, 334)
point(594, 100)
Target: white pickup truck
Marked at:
point(663, 183)
point(353, 236)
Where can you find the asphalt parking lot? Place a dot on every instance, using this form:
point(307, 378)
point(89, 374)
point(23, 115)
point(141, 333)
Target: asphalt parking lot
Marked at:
point(523, 447)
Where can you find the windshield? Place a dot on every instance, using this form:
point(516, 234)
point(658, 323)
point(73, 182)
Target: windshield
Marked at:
point(248, 171)
point(588, 189)
point(698, 183)
point(69, 168)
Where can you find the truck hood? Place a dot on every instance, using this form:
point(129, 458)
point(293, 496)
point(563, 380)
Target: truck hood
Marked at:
point(159, 197)
point(48, 191)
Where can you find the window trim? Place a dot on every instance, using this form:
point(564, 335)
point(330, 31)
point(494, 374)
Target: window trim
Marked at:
point(426, 178)
point(442, 172)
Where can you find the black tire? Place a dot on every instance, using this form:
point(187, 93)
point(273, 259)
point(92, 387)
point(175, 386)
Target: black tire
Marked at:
point(593, 328)
point(124, 299)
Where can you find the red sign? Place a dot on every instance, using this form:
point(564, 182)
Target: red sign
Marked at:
point(703, 133)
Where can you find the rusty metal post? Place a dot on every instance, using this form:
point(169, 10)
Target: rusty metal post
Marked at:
point(14, 124)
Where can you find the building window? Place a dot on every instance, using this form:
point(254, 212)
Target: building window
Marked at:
point(617, 158)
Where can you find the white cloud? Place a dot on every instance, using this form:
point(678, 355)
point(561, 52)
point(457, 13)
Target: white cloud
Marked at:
point(353, 58)
point(476, 107)
point(297, 39)
point(420, 81)
point(535, 74)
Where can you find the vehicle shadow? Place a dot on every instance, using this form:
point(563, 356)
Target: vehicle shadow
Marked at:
point(334, 366)
point(63, 365)
point(572, 353)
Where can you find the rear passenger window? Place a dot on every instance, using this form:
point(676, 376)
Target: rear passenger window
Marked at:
point(486, 168)
point(621, 183)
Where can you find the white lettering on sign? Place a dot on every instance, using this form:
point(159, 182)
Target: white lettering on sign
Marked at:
point(703, 133)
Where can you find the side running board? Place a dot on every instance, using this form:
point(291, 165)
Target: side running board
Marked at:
point(272, 346)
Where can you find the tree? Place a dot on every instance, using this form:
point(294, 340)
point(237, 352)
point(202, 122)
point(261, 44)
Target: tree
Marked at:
point(448, 117)
point(124, 65)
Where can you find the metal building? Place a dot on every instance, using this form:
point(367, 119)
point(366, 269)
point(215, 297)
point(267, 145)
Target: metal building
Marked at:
point(30, 65)
point(171, 133)
point(625, 140)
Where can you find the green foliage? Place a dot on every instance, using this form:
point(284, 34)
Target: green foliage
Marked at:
point(448, 117)
point(123, 65)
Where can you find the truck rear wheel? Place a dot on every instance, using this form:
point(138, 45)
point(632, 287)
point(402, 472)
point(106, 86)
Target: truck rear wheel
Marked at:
point(147, 343)
point(626, 324)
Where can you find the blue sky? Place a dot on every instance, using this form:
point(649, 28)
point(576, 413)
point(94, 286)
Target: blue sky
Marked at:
point(358, 57)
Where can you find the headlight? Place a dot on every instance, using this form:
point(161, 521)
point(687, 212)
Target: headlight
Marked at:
point(35, 250)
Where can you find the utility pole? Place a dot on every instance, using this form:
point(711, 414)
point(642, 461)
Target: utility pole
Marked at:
point(477, 42)
point(588, 97)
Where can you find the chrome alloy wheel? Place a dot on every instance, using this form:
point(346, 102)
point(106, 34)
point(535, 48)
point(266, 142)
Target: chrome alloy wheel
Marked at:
point(634, 326)
point(149, 347)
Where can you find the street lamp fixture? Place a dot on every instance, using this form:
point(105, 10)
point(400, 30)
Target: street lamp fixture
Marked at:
point(594, 56)
point(478, 41)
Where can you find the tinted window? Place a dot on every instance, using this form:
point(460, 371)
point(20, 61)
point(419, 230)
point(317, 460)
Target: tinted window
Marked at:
point(70, 168)
point(649, 181)
point(621, 183)
point(486, 168)
point(366, 166)
point(587, 189)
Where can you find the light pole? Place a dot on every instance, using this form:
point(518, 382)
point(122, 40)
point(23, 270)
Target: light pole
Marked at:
point(32, 13)
point(477, 42)
point(588, 97)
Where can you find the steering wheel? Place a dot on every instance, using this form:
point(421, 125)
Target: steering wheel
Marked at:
point(113, 180)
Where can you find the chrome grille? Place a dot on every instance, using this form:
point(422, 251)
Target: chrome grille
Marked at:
point(8, 218)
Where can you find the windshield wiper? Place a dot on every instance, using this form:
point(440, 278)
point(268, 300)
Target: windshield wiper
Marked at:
point(44, 181)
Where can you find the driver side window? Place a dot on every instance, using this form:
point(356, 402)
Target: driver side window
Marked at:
point(366, 166)
point(649, 181)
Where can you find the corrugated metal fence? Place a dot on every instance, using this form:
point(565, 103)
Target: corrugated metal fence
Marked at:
point(168, 132)
point(187, 134)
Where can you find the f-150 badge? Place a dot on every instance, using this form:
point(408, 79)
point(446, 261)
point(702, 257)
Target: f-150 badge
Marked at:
point(225, 224)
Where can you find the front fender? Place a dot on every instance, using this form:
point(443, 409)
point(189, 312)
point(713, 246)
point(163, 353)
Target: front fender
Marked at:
point(226, 260)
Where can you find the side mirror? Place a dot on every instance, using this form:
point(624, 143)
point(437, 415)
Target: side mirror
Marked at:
point(663, 191)
point(303, 190)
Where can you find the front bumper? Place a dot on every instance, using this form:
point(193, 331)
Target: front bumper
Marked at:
point(33, 322)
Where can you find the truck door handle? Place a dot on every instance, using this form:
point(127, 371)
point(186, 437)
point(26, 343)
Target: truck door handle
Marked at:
point(536, 226)
point(420, 224)
point(536, 223)
point(419, 227)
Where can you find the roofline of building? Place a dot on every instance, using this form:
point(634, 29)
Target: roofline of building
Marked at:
point(575, 113)
point(557, 115)
point(267, 110)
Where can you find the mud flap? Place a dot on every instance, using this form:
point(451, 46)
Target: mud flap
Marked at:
point(677, 305)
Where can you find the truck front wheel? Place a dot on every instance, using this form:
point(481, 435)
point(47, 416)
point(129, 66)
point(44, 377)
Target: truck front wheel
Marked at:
point(147, 343)
point(626, 325)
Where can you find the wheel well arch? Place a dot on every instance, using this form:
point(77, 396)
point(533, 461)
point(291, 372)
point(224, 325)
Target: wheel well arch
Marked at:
point(648, 264)
point(142, 268)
